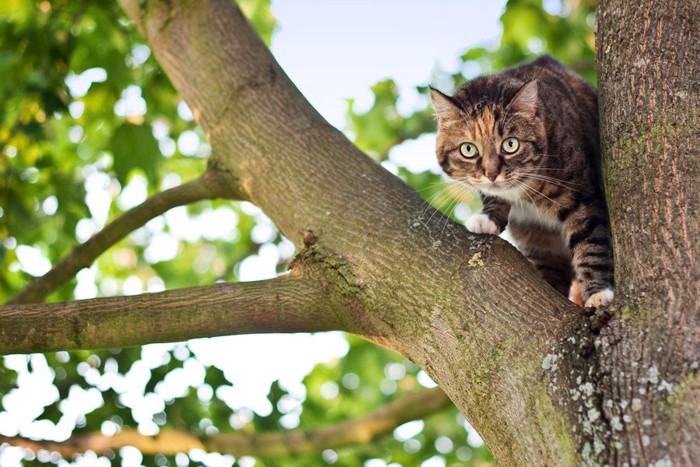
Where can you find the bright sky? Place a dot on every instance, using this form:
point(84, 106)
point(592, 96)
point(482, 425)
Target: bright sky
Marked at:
point(335, 49)
point(332, 50)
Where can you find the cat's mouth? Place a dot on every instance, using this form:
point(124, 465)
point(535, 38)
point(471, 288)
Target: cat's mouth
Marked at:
point(497, 185)
point(509, 189)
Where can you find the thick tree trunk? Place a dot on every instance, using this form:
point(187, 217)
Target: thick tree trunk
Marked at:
point(649, 354)
point(542, 381)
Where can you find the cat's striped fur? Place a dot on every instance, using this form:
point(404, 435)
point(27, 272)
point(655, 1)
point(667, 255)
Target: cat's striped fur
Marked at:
point(527, 140)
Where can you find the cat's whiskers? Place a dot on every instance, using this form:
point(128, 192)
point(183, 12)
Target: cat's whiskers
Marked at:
point(468, 185)
point(515, 183)
point(444, 192)
point(433, 185)
point(441, 196)
point(551, 180)
point(544, 169)
point(446, 186)
point(446, 220)
point(536, 191)
point(463, 189)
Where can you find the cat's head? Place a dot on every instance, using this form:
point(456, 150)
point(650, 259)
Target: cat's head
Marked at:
point(490, 134)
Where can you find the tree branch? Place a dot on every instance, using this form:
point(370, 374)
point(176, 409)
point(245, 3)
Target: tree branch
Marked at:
point(294, 302)
point(468, 309)
point(211, 184)
point(274, 444)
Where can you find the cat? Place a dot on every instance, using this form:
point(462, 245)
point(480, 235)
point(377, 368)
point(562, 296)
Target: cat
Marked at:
point(527, 140)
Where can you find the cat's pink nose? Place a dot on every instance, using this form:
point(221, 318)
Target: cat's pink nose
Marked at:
point(492, 176)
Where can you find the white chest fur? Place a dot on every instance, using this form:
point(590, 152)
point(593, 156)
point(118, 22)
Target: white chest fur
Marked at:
point(527, 213)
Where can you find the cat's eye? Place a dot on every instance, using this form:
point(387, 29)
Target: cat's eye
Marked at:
point(468, 150)
point(510, 145)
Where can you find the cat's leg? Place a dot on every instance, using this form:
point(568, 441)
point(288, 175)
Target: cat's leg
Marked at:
point(545, 249)
point(588, 236)
point(493, 217)
point(575, 293)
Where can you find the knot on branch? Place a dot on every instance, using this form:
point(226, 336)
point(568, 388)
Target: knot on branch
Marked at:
point(335, 268)
point(310, 238)
point(597, 318)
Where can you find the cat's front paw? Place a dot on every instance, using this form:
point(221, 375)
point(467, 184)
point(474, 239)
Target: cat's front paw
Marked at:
point(602, 298)
point(481, 224)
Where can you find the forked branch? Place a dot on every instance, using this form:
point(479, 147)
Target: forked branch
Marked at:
point(210, 185)
point(273, 444)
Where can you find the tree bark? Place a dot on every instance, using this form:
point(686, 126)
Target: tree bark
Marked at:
point(295, 302)
point(542, 381)
point(649, 354)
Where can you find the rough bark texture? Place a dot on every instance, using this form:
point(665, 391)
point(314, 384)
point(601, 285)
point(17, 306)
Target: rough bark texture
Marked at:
point(294, 302)
point(649, 355)
point(543, 382)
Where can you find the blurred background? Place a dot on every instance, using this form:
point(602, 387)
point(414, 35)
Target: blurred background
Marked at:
point(90, 127)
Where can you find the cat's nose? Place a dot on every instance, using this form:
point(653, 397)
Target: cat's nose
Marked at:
point(492, 175)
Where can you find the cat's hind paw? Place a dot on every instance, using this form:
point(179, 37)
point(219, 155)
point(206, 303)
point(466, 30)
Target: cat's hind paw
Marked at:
point(481, 224)
point(599, 299)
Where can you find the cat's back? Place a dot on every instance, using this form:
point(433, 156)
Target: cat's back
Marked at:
point(559, 81)
point(558, 86)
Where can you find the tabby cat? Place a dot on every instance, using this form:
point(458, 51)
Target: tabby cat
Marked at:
point(527, 140)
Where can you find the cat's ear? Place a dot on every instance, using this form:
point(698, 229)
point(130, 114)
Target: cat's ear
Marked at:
point(525, 100)
point(445, 107)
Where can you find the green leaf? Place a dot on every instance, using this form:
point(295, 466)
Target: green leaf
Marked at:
point(133, 146)
point(17, 11)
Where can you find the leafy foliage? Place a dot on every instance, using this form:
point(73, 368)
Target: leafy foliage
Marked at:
point(90, 126)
